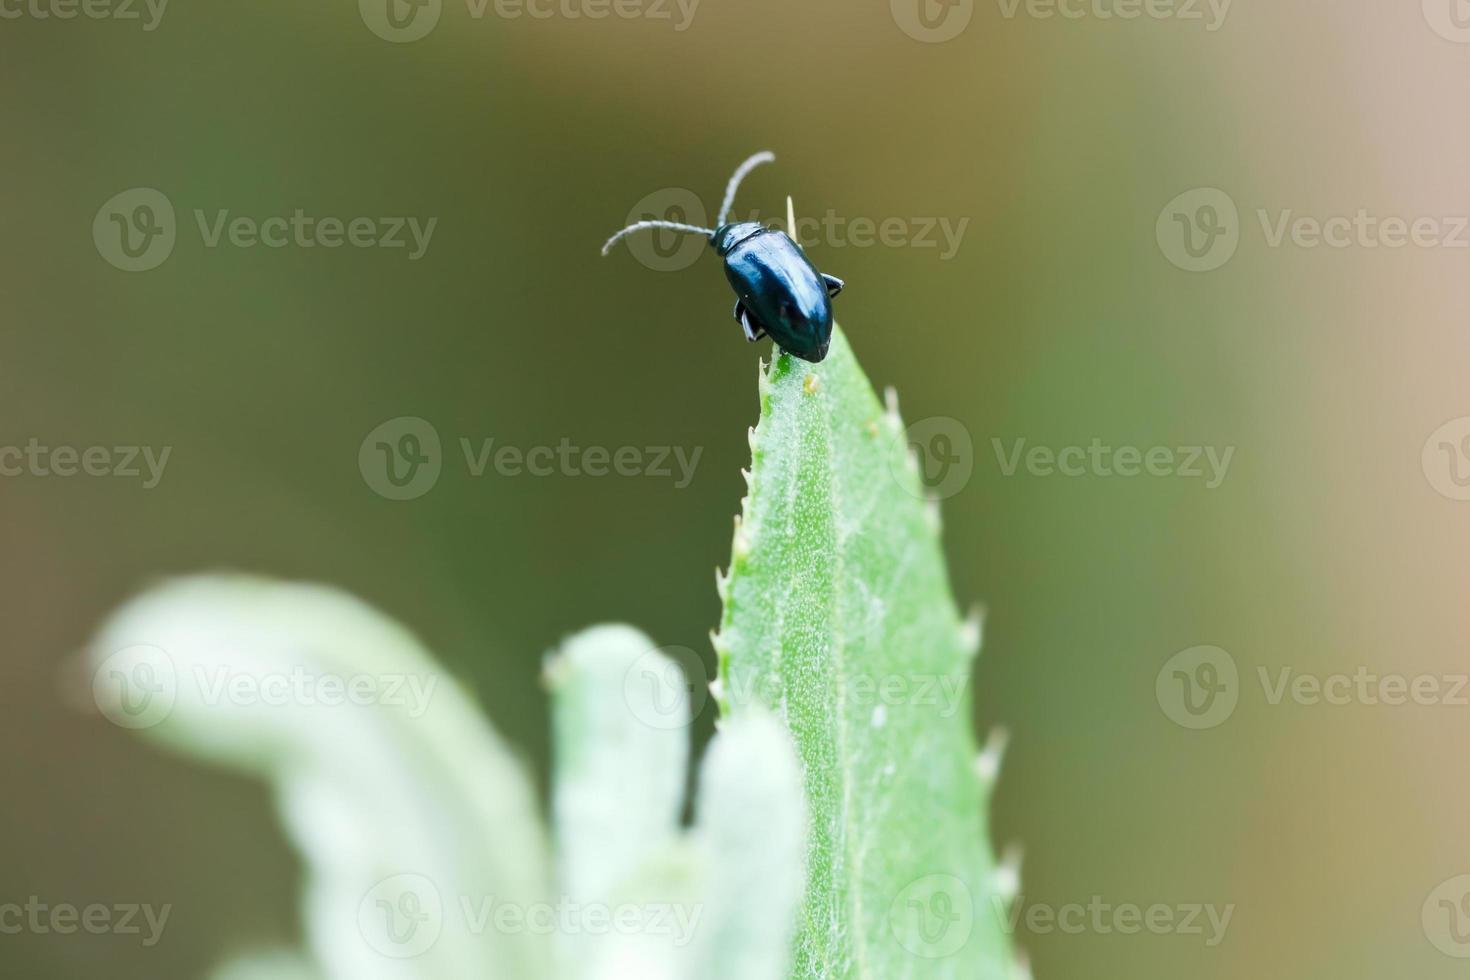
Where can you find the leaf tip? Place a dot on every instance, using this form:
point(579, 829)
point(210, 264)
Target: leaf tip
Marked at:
point(932, 514)
point(742, 540)
point(555, 671)
point(972, 630)
point(1007, 877)
point(987, 763)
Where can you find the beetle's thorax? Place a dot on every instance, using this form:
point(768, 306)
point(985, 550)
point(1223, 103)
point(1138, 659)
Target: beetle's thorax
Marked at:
point(726, 237)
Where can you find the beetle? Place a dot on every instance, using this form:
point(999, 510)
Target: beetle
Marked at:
point(778, 292)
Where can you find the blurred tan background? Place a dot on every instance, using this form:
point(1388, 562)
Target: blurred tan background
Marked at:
point(1073, 147)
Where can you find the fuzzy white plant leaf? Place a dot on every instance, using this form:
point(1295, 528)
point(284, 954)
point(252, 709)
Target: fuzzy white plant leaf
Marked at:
point(718, 902)
point(753, 826)
point(404, 803)
point(620, 716)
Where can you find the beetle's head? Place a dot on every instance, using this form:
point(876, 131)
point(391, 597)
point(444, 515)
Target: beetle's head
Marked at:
point(727, 237)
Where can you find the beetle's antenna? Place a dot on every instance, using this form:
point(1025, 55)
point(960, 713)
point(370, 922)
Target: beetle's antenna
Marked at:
point(765, 156)
point(642, 225)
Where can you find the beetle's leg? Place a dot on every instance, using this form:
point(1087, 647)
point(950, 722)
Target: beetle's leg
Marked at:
point(834, 285)
point(752, 332)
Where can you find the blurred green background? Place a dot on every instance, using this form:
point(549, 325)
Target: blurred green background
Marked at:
point(1060, 318)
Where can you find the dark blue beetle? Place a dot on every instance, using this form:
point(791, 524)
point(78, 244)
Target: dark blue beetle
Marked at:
point(778, 291)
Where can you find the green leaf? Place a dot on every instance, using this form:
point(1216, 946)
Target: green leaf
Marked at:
point(838, 615)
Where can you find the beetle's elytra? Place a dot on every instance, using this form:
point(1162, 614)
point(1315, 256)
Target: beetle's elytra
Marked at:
point(778, 292)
